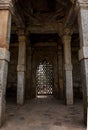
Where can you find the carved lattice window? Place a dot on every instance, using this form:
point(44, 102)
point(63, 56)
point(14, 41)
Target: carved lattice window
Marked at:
point(44, 79)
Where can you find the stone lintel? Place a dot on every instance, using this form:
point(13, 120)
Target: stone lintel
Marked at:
point(68, 67)
point(83, 53)
point(71, 17)
point(4, 54)
point(21, 68)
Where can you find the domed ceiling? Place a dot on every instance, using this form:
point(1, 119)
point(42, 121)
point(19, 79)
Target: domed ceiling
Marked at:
point(42, 11)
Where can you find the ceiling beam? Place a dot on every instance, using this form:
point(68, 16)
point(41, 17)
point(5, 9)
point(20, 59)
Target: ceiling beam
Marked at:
point(16, 16)
point(71, 17)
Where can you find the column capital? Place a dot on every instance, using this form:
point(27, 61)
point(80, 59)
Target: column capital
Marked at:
point(82, 4)
point(4, 54)
point(66, 37)
point(67, 32)
point(5, 4)
point(21, 35)
point(22, 38)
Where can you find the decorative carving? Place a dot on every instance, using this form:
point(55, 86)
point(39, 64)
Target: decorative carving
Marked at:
point(44, 11)
point(82, 3)
point(5, 4)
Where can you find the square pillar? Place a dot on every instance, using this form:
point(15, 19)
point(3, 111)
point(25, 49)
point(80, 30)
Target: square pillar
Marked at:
point(5, 25)
point(68, 67)
point(4, 59)
point(83, 52)
point(21, 69)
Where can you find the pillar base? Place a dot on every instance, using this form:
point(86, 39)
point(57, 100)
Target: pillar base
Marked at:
point(69, 87)
point(20, 88)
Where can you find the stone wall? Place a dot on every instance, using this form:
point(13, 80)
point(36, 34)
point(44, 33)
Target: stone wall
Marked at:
point(28, 72)
point(12, 71)
point(77, 82)
point(76, 74)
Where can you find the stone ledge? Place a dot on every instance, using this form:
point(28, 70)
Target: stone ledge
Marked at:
point(21, 68)
point(68, 67)
point(83, 53)
point(4, 54)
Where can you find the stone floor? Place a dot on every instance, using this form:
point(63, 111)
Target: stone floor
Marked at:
point(44, 114)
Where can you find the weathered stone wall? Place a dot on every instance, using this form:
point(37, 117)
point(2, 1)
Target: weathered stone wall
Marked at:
point(77, 82)
point(76, 74)
point(28, 72)
point(12, 71)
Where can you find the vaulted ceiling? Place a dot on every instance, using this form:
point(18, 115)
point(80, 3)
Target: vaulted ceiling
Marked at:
point(42, 11)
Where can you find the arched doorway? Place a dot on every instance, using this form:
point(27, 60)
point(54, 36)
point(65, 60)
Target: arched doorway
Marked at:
point(44, 71)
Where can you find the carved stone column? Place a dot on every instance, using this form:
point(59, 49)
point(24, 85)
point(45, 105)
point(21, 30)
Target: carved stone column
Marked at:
point(83, 52)
point(5, 25)
point(21, 68)
point(68, 67)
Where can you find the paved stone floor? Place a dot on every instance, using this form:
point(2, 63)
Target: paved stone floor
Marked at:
point(44, 114)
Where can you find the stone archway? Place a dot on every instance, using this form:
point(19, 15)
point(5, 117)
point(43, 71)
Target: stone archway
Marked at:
point(48, 53)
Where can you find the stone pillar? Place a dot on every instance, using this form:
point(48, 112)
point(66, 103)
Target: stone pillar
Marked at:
point(83, 52)
point(21, 69)
point(68, 66)
point(5, 24)
point(60, 71)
